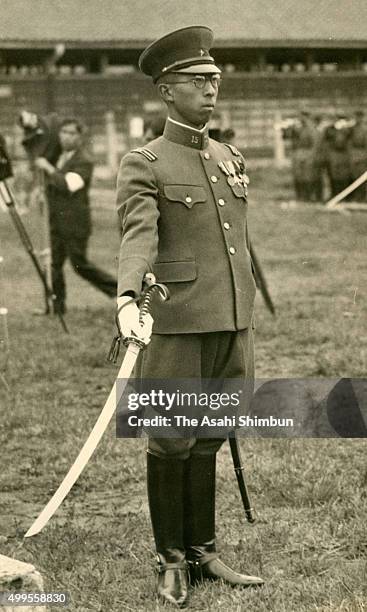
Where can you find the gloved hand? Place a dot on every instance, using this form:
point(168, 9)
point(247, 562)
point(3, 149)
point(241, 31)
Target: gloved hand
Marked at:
point(129, 320)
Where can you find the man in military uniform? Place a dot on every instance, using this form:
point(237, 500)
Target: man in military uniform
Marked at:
point(68, 182)
point(358, 154)
point(182, 201)
point(319, 159)
point(303, 137)
point(338, 155)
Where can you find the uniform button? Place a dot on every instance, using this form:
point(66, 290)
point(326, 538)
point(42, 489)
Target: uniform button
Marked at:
point(226, 225)
point(221, 202)
point(232, 250)
point(206, 155)
point(188, 199)
point(213, 178)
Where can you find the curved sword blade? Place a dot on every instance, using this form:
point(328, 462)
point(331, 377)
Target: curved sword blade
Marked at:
point(90, 445)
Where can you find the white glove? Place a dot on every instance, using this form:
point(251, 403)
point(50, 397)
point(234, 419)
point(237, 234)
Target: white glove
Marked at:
point(129, 320)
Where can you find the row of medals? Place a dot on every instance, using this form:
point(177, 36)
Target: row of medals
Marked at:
point(236, 175)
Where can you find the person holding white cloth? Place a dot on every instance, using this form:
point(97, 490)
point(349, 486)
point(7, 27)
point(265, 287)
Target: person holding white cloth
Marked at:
point(68, 183)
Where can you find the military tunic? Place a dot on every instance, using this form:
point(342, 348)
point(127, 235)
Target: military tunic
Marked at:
point(183, 207)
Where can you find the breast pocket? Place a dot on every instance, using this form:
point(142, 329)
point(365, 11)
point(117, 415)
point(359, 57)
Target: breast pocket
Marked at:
point(185, 194)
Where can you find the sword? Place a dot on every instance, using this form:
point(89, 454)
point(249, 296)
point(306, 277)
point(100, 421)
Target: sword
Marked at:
point(239, 471)
point(134, 346)
point(261, 283)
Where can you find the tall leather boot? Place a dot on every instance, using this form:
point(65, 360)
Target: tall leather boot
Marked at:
point(165, 496)
point(199, 526)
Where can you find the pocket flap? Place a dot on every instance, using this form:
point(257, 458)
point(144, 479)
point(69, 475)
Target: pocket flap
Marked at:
point(175, 271)
point(187, 194)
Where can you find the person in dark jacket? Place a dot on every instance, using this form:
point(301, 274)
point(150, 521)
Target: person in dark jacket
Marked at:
point(182, 201)
point(68, 182)
point(338, 155)
point(303, 138)
point(358, 154)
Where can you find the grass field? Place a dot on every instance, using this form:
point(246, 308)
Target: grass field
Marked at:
point(310, 540)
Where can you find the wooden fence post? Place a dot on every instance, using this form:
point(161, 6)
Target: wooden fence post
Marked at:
point(279, 146)
point(112, 153)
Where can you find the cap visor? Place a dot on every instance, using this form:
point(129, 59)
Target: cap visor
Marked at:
point(200, 69)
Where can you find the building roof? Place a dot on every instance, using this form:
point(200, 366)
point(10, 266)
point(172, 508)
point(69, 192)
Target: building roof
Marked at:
point(134, 23)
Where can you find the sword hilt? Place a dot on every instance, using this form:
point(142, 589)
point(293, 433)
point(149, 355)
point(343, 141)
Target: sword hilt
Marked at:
point(152, 288)
point(145, 300)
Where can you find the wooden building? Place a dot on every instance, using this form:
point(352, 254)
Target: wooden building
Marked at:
point(79, 57)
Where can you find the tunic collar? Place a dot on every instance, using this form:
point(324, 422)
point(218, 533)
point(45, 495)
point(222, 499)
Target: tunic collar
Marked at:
point(186, 135)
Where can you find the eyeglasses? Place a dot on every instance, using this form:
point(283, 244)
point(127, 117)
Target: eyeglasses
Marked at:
point(200, 80)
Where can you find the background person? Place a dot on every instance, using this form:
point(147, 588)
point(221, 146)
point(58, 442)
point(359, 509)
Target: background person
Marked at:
point(68, 182)
point(228, 136)
point(303, 136)
point(338, 155)
point(358, 154)
point(154, 128)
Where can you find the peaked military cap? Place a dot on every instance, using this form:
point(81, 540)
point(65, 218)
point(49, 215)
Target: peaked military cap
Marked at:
point(184, 50)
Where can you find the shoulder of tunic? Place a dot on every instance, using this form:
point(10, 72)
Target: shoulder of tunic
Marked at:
point(233, 149)
point(147, 153)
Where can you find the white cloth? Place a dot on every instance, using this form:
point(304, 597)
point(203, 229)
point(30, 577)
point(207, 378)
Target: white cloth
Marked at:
point(129, 319)
point(74, 181)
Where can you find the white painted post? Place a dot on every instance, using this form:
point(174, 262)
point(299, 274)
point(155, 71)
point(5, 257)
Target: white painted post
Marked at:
point(112, 142)
point(279, 145)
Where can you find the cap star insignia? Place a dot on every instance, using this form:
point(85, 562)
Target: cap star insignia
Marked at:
point(202, 52)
